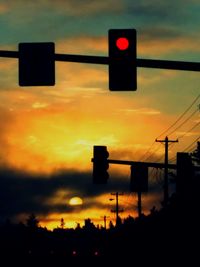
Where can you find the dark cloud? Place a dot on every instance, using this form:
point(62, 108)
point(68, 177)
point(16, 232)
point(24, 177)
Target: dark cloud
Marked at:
point(23, 193)
point(160, 33)
point(54, 20)
point(160, 10)
point(6, 119)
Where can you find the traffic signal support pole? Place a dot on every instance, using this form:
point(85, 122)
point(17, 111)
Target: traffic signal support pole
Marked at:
point(144, 63)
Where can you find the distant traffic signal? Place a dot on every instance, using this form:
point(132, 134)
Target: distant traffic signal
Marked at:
point(122, 60)
point(36, 64)
point(139, 178)
point(100, 165)
point(185, 173)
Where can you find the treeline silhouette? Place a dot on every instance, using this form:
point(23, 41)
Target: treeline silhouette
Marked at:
point(170, 235)
point(166, 237)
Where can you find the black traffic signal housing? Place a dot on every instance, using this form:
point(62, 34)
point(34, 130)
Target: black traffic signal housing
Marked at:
point(100, 165)
point(122, 60)
point(139, 178)
point(37, 64)
point(185, 173)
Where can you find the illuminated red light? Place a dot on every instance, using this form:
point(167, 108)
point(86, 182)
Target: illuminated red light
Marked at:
point(122, 43)
point(74, 253)
point(96, 253)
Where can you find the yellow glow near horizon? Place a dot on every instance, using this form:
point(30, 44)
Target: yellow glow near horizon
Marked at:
point(71, 220)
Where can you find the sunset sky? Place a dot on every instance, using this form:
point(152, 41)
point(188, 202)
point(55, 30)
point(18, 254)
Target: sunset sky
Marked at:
point(47, 133)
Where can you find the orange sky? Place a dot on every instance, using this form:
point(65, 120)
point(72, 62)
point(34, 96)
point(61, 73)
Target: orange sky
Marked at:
point(48, 129)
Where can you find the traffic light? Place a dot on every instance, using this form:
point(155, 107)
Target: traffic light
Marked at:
point(185, 173)
point(100, 165)
point(122, 60)
point(139, 178)
point(36, 64)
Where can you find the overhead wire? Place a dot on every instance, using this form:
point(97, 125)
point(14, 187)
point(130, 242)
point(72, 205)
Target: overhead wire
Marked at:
point(185, 134)
point(171, 126)
point(180, 117)
point(188, 147)
point(186, 120)
point(149, 153)
point(193, 127)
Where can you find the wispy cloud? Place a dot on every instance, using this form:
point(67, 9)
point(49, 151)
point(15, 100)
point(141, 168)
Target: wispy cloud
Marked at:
point(179, 44)
point(142, 111)
point(79, 7)
point(187, 134)
point(39, 105)
point(83, 44)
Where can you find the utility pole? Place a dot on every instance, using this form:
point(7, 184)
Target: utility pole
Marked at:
point(166, 193)
point(139, 204)
point(104, 220)
point(117, 210)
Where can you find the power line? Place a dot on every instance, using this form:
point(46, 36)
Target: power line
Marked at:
point(171, 126)
point(147, 151)
point(180, 117)
point(188, 147)
point(187, 119)
point(153, 151)
point(198, 123)
point(183, 135)
point(188, 131)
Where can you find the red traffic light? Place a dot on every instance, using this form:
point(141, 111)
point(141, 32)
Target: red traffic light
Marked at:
point(122, 43)
point(122, 60)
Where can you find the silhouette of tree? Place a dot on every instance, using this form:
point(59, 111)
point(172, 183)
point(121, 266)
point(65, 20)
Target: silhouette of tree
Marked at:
point(111, 225)
point(32, 222)
point(153, 210)
point(89, 224)
point(129, 220)
point(78, 226)
point(62, 223)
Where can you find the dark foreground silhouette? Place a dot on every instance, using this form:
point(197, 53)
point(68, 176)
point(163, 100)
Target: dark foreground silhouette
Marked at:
point(166, 237)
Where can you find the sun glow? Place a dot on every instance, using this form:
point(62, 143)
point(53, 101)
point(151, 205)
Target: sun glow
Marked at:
point(75, 201)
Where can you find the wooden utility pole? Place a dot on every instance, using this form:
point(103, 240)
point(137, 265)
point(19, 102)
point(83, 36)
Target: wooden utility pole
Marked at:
point(166, 192)
point(139, 203)
point(104, 220)
point(117, 210)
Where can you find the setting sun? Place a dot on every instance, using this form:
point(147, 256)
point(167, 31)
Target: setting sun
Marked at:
point(75, 201)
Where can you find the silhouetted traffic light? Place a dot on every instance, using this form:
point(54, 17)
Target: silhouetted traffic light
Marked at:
point(122, 60)
point(139, 178)
point(100, 165)
point(36, 64)
point(185, 173)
